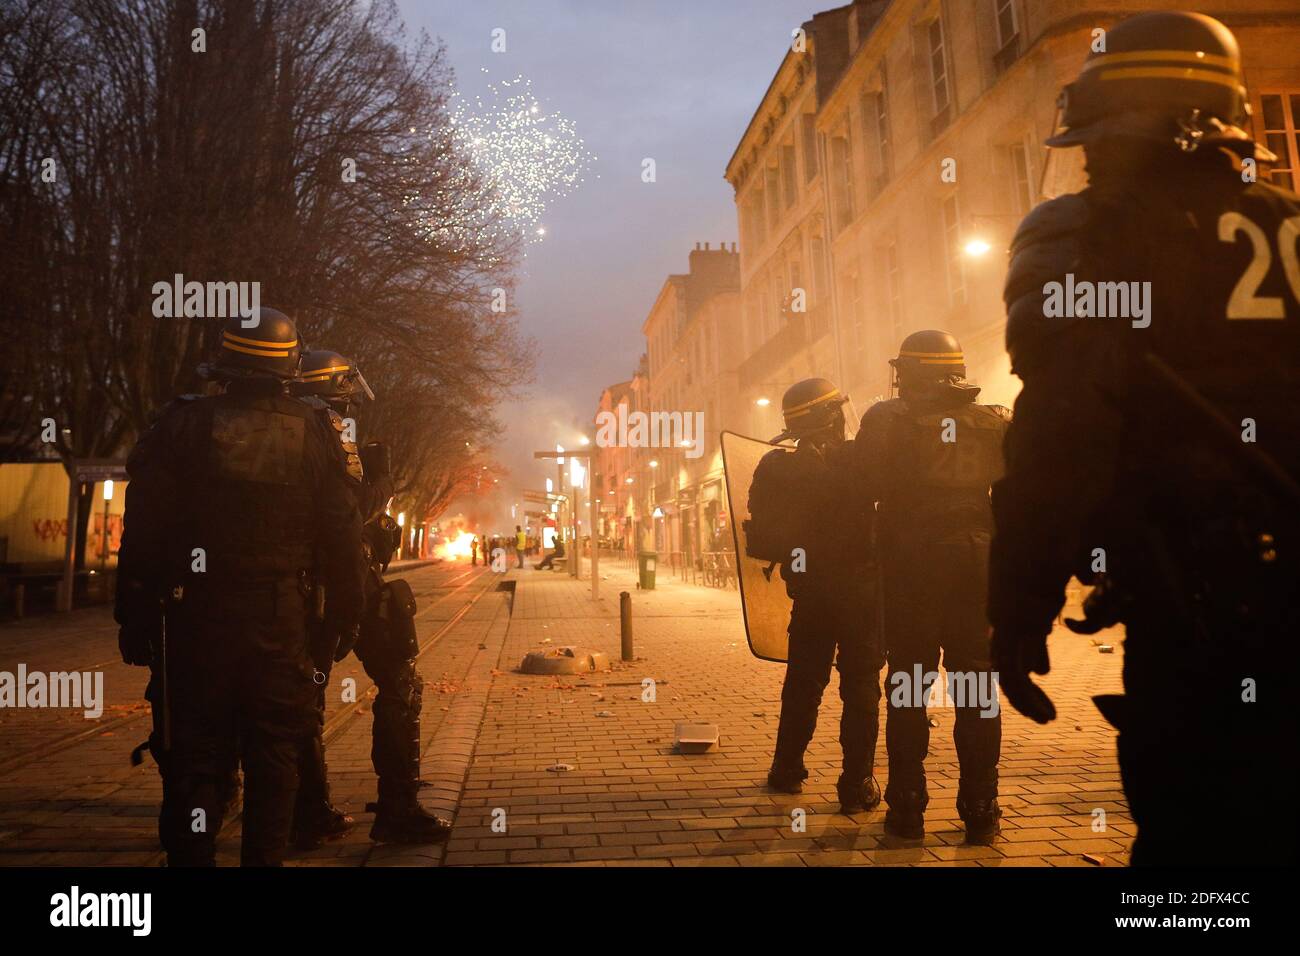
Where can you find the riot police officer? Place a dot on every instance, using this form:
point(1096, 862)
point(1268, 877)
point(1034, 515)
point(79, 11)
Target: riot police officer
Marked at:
point(802, 520)
point(1156, 452)
point(927, 458)
point(239, 515)
point(388, 645)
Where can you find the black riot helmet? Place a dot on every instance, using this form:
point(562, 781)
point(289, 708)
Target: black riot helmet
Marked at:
point(810, 407)
point(269, 349)
point(332, 378)
point(931, 363)
point(1163, 76)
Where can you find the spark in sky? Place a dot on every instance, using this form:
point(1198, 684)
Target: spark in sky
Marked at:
point(528, 155)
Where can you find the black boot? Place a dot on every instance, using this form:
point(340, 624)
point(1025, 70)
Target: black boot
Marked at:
point(981, 819)
point(858, 797)
point(315, 819)
point(399, 818)
point(905, 818)
point(328, 823)
point(787, 780)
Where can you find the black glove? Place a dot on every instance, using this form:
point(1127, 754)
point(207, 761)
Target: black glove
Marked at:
point(1104, 607)
point(136, 643)
point(346, 642)
point(1016, 655)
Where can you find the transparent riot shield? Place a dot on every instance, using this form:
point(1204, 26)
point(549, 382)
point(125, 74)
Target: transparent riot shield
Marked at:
point(763, 599)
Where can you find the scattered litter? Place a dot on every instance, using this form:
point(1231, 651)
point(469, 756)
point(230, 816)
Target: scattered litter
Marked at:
point(1078, 726)
point(604, 713)
point(563, 660)
point(1095, 860)
point(1106, 648)
point(934, 721)
point(759, 713)
point(560, 767)
point(693, 738)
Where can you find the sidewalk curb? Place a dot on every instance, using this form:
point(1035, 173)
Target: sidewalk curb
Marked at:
point(446, 761)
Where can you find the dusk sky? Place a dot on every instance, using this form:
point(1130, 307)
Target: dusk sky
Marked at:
point(674, 80)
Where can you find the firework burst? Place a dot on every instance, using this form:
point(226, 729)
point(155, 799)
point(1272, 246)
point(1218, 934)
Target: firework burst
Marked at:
point(527, 155)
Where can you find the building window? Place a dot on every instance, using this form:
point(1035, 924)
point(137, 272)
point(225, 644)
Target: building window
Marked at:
point(1004, 11)
point(1022, 180)
point(939, 74)
point(773, 190)
point(884, 140)
point(778, 300)
point(1281, 116)
point(754, 220)
point(842, 163)
point(808, 126)
point(859, 311)
point(789, 176)
point(952, 251)
point(894, 289)
point(1006, 14)
point(818, 248)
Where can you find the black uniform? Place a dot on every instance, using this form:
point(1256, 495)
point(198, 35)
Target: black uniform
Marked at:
point(935, 524)
point(1105, 454)
point(387, 649)
point(256, 480)
point(799, 501)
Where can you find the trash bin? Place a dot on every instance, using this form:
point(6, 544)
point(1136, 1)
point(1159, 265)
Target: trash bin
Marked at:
point(646, 561)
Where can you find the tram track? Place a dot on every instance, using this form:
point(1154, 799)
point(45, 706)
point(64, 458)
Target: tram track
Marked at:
point(453, 586)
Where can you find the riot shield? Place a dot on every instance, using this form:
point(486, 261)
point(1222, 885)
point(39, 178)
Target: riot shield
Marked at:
point(763, 600)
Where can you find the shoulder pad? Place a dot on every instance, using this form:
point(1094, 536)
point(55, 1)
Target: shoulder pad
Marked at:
point(772, 459)
point(180, 401)
point(996, 411)
point(1060, 216)
point(1047, 247)
point(883, 411)
point(339, 427)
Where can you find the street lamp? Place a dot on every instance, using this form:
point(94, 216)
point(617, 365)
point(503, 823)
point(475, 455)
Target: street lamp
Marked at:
point(977, 247)
point(763, 402)
point(108, 497)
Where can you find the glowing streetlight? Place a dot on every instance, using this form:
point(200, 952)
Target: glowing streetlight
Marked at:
point(763, 402)
point(977, 247)
point(654, 463)
point(108, 496)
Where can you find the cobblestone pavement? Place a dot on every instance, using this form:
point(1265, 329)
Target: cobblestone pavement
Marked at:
point(577, 770)
point(69, 796)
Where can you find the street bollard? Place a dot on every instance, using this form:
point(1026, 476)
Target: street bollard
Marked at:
point(625, 623)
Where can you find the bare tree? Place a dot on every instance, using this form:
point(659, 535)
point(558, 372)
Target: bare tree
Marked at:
point(216, 140)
